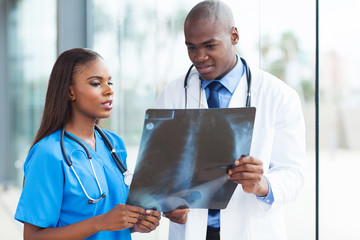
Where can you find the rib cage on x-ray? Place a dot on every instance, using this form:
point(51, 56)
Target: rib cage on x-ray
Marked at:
point(184, 156)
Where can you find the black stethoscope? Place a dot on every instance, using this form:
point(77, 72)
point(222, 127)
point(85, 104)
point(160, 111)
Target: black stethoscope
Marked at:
point(117, 160)
point(248, 78)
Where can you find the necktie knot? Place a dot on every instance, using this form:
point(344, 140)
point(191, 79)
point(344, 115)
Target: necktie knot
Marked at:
point(213, 99)
point(214, 86)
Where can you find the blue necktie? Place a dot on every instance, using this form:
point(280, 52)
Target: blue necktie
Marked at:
point(213, 102)
point(213, 99)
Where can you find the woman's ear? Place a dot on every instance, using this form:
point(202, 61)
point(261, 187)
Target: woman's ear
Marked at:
point(71, 94)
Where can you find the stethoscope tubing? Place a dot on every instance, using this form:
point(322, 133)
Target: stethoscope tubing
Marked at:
point(107, 142)
point(248, 78)
point(186, 85)
point(127, 175)
point(114, 155)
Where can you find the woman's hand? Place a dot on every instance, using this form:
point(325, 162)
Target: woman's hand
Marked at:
point(122, 216)
point(178, 215)
point(148, 222)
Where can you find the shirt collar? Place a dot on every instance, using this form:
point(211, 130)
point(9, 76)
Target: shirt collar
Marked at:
point(230, 80)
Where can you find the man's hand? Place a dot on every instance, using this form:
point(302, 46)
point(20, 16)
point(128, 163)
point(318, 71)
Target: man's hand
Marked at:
point(178, 215)
point(248, 172)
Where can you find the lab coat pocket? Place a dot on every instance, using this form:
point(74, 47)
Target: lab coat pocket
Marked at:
point(261, 145)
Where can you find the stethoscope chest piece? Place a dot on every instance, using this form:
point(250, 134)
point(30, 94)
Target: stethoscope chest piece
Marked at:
point(128, 176)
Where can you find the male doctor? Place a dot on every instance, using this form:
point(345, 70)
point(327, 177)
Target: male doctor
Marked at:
point(272, 175)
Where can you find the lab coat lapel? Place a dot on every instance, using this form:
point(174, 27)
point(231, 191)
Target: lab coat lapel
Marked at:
point(194, 92)
point(238, 99)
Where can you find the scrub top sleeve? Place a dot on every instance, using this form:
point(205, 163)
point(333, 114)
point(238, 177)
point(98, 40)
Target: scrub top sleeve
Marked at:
point(41, 198)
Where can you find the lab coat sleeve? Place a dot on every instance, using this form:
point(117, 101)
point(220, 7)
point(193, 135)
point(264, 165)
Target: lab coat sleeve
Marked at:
point(41, 197)
point(288, 153)
point(160, 102)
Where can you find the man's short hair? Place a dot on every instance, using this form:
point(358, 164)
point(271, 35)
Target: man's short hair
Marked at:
point(213, 10)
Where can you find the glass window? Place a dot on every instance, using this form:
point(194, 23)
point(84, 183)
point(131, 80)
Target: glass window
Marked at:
point(339, 119)
point(287, 43)
point(30, 38)
point(31, 52)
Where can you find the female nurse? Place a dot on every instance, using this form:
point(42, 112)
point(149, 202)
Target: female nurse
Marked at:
point(54, 203)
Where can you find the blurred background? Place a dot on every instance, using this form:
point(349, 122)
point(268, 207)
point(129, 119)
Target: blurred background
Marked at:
point(142, 42)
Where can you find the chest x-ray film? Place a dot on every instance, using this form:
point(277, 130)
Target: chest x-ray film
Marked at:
point(185, 154)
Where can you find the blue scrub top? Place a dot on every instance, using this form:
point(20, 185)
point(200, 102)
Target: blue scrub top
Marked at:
point(52, 196)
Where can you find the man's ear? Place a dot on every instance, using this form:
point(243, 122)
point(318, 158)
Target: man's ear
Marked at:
point(234, 36)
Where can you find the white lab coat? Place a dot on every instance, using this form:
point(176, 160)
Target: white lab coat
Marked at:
point(278, 141)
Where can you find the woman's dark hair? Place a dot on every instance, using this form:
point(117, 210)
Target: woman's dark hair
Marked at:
point(57, 109)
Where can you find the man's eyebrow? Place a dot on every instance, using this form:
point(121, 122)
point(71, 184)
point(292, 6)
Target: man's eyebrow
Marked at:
point(203, 43)
point(208, 41)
